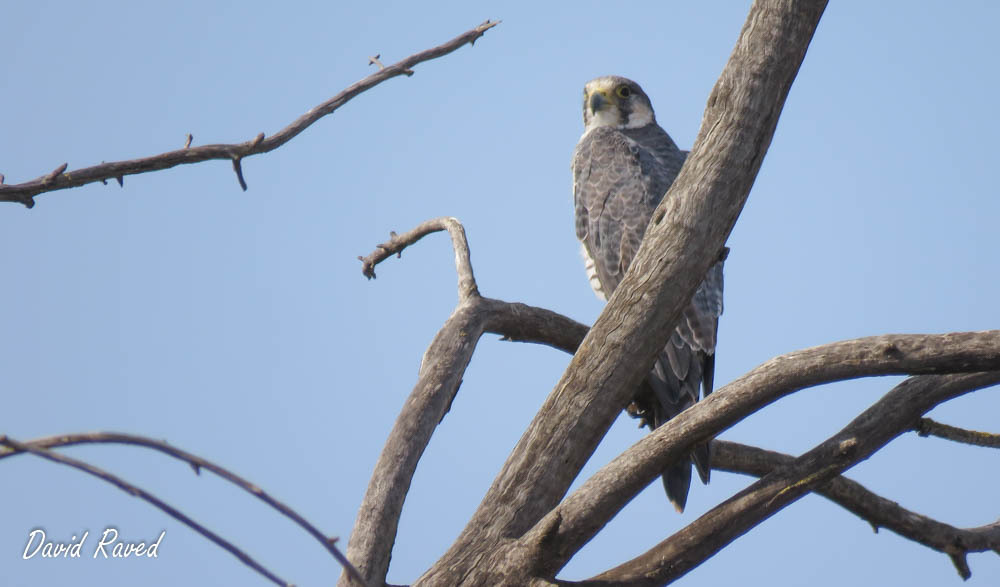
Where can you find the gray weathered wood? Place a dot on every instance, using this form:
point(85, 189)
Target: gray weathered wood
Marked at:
point(874, 509)
point(686, 234)
point(894, 414)
point(583, 513)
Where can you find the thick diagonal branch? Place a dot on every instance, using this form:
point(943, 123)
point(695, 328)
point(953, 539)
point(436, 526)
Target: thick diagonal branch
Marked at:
point(583, 513)
point(894, 414)
point(875, 509)
point(688, 230)
point(60, 179)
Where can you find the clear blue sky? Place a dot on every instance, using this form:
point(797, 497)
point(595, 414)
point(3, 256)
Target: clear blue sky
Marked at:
point(238, 325)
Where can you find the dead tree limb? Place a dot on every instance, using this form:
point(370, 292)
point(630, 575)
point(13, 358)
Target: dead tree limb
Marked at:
point(446, 359)
point(60, 179)
point(928, 427)
point(875, 509)
point(440, 375)
point(876, 426)
point(582, 514)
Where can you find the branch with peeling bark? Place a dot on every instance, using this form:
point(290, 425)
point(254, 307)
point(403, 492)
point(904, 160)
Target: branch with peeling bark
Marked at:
point(60, 178)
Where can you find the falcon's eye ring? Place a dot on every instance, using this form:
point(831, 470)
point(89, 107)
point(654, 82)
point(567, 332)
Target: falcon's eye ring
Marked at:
point(623, 92)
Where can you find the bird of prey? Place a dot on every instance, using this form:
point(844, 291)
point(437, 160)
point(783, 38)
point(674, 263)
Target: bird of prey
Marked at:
point(622, 167)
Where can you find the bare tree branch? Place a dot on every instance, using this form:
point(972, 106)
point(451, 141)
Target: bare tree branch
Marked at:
point(876, 426)
point(583, 513)
point(147, 497)
point(876, 510)
point(518, 322)
point(448, 356)
point(440, 375)
point(441, 372)
point(928, 427)
point(443, 368)
point(463, 266)
point(60, 179)
point(438, 380)
point(197, 464)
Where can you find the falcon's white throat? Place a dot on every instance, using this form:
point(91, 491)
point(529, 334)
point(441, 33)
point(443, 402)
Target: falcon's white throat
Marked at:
point(605, 117)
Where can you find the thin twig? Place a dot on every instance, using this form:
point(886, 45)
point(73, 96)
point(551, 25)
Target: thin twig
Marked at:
point(145, 496)
point(928, 427)
point(197, 464)
point(24, 193)
point(397, 242)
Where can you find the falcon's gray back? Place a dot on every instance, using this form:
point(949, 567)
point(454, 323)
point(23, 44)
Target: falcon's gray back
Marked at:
point(622, 167)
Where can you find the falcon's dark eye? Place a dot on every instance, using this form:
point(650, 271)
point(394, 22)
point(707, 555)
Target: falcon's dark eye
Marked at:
point(623, 92)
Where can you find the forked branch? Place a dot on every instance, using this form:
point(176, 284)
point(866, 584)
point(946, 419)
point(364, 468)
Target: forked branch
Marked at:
point(375, 529)
point(440, 375)
point(592, 505)
point(875, 509)
point(876, 426)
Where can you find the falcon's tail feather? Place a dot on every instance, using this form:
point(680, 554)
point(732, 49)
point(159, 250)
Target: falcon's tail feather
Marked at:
point(662, 396)
point(677, 482)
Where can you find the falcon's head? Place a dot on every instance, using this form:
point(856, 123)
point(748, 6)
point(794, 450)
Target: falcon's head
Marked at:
point(615, 101)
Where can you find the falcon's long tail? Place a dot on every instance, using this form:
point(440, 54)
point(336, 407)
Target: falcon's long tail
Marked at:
point(668, 390)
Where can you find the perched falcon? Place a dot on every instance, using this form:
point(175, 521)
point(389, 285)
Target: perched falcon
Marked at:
point(622, 167)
